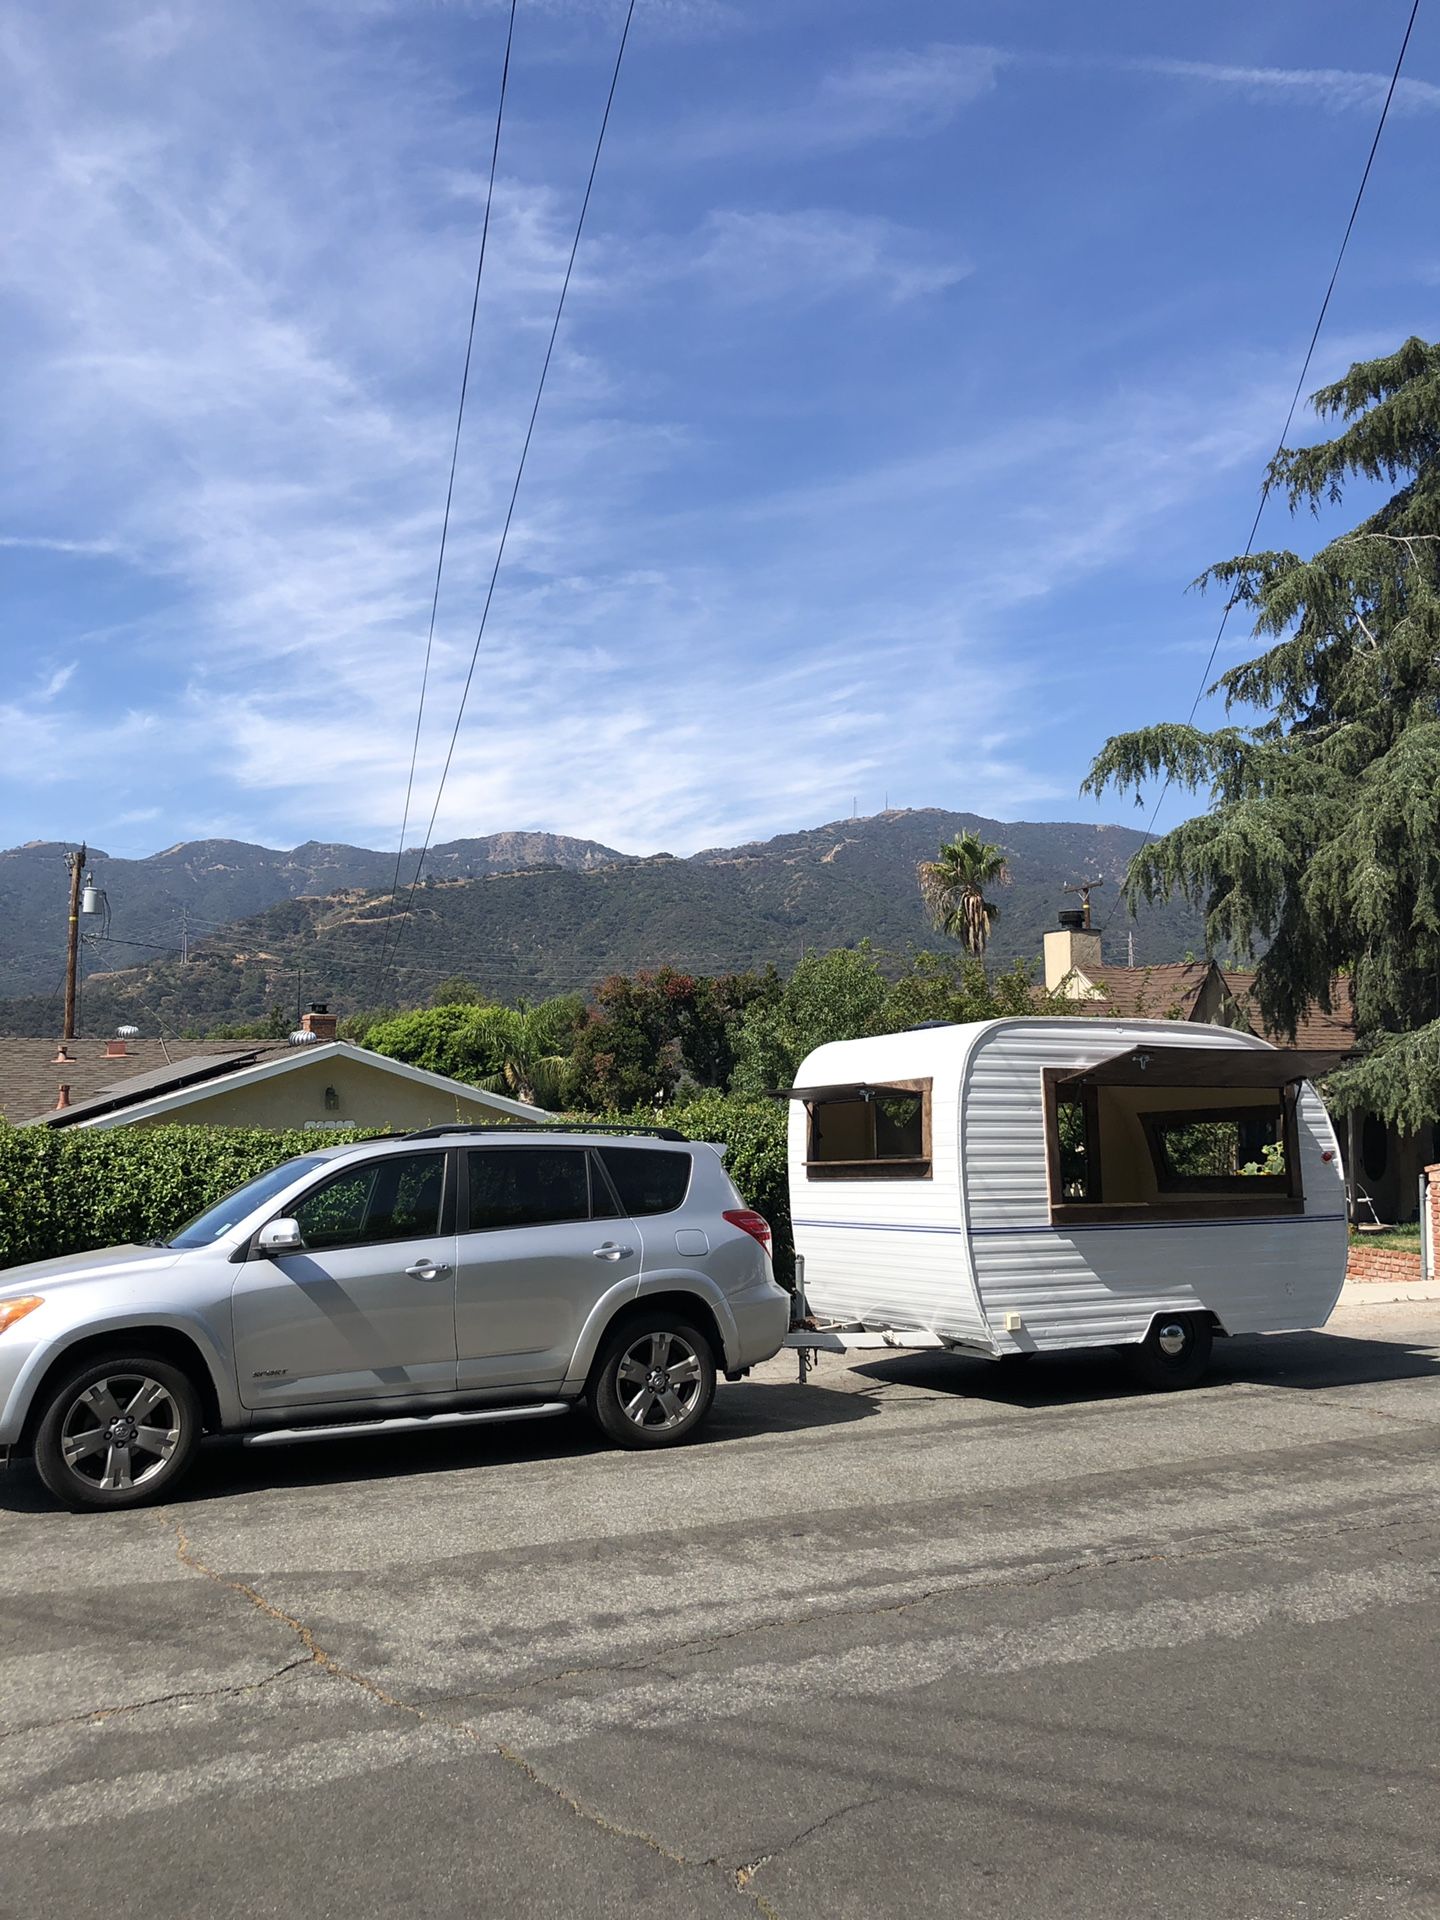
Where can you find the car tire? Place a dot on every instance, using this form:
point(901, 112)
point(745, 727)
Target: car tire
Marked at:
point(94, 1445)
point(1175, 1352)
point(653, 1383)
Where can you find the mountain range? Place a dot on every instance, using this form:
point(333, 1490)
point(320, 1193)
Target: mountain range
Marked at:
point(521, 915)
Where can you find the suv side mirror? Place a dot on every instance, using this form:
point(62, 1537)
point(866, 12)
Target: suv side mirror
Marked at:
point(279, 1236)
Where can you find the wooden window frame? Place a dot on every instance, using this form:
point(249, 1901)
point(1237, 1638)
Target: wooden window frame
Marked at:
point(1193, 1205)
point(892, 1167)
point(1182, 1185)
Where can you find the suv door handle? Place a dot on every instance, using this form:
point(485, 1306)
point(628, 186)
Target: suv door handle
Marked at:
point(427, 1270)
point(611, 1252)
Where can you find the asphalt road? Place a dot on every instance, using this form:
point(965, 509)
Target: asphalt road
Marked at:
point(926, 1636)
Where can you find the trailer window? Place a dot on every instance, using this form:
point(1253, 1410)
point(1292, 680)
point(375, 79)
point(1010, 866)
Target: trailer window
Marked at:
point(1128, 1152)
point(873, 1133)
point(1219, 1152)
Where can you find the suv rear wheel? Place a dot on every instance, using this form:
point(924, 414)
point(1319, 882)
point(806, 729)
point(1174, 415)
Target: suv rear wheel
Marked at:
point(653, 1382)
point(117, 1432)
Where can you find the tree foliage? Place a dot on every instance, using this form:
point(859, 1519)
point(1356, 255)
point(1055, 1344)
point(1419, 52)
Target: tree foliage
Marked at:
point(1320, 845)
point(521, 1051)
point(953, 888)
point(650, 1030)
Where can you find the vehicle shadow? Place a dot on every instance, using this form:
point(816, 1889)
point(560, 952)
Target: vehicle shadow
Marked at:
point(1308, 1361)
point(746, 1410)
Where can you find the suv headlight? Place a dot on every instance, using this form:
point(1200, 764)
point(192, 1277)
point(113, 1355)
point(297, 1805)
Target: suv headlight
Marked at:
point(13, 1310)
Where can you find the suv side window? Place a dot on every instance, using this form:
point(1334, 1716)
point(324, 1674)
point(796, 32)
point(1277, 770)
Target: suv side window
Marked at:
point(395, 1198)
point(648, 1179)
point(528, 1187)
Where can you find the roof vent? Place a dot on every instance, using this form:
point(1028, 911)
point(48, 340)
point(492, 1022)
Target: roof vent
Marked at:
point(128, 1033)
point(303, 1037)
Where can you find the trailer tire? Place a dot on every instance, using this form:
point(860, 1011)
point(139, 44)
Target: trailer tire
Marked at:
point(1175, 1352)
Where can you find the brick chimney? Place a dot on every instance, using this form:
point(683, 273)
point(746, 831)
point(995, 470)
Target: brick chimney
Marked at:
point(63, 1099)
point(319, 1021)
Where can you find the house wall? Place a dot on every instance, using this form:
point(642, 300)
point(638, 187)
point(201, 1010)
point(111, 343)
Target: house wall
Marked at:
point(367, 1097)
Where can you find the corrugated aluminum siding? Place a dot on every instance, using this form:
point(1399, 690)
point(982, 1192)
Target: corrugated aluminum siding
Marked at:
point(890, 1253)
point(1090, 1286)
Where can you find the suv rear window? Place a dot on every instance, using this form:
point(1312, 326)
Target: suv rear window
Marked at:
point(527, 1186)
point(648, 1179)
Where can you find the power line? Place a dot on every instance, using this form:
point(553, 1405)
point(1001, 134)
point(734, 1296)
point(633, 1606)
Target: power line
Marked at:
point(454, 460)
point(515, 490)
point(1295, 397)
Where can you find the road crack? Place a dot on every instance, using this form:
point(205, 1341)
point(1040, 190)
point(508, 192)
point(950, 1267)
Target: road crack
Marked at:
point(185, 1696)
point(742, 1876)
point(326, 1661)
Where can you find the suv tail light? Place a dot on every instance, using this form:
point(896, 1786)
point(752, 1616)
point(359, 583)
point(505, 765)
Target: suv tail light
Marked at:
point(755, 1224)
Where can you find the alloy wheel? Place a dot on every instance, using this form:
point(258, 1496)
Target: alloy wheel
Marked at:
point(659, 1380)
point(121, 1431)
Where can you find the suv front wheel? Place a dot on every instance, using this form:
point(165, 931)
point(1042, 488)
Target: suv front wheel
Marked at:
point(653, 1382)
point(117, 1432)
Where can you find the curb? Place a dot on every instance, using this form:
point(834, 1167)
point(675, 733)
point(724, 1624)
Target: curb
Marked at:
point(1374, 1293)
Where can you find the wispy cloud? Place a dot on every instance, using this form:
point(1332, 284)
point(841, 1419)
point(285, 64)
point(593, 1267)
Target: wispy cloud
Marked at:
point(1336, 89)
point(816, 252)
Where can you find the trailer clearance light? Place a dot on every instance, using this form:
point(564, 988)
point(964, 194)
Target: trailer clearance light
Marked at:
point(755, 1224)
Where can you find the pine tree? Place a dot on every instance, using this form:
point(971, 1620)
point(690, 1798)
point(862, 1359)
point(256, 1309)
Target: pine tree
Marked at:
point(1320, 846)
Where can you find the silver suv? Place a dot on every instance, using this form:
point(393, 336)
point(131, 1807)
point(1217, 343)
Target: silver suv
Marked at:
point(456, 1275)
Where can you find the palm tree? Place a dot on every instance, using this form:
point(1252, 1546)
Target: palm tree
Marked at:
point(526, 1047)
point(953, 889)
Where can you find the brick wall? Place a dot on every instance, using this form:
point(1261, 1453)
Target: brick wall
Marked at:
point(1384, 1264)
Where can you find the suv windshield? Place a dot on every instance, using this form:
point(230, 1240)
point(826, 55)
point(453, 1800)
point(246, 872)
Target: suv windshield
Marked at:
point(208, 1227)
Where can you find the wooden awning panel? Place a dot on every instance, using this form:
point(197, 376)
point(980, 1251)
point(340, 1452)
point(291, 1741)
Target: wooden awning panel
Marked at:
point(848, 1090)
point(1243, 1068)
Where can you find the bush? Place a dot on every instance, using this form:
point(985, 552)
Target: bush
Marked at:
point(67, 1190)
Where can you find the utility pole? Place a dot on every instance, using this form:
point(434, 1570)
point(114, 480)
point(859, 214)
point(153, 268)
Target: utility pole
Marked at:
point(76, 862)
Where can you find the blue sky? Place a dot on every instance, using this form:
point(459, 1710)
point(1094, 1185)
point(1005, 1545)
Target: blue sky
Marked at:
point(917, 358)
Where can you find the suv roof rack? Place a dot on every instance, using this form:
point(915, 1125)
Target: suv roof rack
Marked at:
point(552, 1126)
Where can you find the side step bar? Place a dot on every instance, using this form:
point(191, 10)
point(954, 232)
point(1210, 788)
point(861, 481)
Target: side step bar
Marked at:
point(403, 1423)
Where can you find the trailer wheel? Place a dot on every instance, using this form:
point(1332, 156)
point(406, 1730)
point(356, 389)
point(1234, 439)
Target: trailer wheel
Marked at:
point(1175, 1352)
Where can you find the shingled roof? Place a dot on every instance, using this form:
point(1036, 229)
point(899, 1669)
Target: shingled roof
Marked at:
point(1315, 1031)
point(1167, 992)
point(31, 1077)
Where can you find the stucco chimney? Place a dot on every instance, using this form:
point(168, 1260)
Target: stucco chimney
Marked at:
point(64, 1096)
point(1072, 958)
point(115, 1050)
point(319, 1021)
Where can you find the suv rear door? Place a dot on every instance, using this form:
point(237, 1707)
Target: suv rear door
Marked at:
point(541, 1240)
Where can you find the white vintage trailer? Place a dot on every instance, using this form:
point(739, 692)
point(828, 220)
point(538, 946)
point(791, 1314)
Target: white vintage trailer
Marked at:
point(1031, 1185)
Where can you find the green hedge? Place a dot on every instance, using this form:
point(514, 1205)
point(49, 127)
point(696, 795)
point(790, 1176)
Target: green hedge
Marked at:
point(67, 1190)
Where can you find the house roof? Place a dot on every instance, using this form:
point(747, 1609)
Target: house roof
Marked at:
point(1320, 1031)
point(147, 1096)
point(1168, 992)
point(30, 1076)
